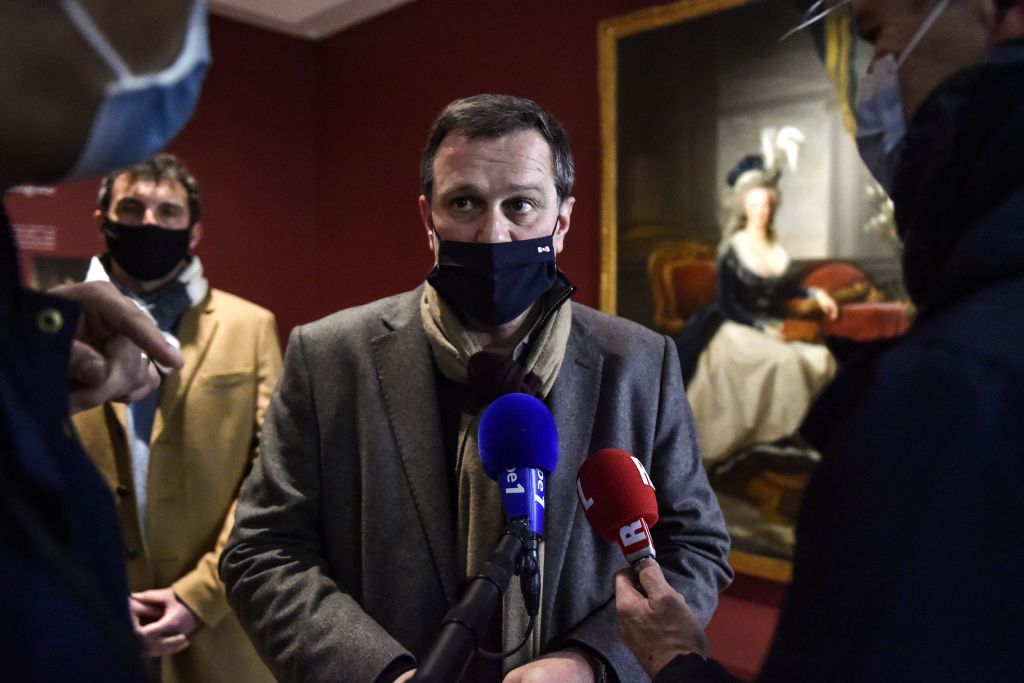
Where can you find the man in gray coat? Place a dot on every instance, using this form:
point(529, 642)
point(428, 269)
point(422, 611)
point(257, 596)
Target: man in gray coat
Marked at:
point(368, 507)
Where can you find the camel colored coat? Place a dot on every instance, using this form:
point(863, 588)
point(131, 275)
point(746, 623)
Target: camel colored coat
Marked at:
point(204, 439)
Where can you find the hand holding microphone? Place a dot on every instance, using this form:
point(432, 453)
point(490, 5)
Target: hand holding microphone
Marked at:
point(658, 626)
point(619, 501)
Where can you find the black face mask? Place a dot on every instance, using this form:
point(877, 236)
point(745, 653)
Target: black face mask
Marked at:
point(146, 252)
point(493, 282)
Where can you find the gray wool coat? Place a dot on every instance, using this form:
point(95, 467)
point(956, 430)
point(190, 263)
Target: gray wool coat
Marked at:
point(343, 554)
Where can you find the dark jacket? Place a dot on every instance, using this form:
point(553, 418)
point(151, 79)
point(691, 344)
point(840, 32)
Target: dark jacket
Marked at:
point(342, 561)
point(910, 540)
point(62, 587)
point(911, 534)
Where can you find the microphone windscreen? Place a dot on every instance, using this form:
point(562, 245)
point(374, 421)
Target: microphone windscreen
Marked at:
point(517, 430)
point(615, 490)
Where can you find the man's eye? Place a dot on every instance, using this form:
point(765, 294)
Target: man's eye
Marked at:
point(128, 211)
point(520, 206)
point(462, 203)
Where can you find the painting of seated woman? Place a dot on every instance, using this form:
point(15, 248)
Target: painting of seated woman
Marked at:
point(748, 279)
point(746, 383)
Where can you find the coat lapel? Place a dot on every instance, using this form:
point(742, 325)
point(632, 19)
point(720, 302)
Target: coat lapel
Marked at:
point(406, 373)
point(573, 402)
point(195, 332)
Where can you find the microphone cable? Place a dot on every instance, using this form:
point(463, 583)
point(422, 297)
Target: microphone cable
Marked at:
point(528, 568)
point(508, 653)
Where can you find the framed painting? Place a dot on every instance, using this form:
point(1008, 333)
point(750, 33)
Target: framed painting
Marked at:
point(687, 90)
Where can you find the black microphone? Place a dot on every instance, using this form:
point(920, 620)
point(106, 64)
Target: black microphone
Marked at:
point(518, 443)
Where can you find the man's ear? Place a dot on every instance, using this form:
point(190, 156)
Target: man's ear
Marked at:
point(197, 234)
point(427, 223)
point(564, 218)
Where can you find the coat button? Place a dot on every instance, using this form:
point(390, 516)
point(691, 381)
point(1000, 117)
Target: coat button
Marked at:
point(132, 553)
point(50, 321)
point(123, 491)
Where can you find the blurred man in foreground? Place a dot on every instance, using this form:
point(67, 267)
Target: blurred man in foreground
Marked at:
point(69, 104)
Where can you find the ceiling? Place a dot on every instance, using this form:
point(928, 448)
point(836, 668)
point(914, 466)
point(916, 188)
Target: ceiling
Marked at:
point(310, 19)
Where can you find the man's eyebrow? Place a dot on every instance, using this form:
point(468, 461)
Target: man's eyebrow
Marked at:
point(465, 188)
point(527, 187)
point(471, 189)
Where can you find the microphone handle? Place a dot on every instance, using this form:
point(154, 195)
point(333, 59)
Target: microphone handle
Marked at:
point(529, 577)
point(461, 630)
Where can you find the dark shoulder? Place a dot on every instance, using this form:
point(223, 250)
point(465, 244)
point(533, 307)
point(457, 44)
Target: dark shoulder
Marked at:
point(982, 328)
point(965, 356)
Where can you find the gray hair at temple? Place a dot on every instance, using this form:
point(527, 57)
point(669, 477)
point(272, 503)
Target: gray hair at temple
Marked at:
point(493, 116)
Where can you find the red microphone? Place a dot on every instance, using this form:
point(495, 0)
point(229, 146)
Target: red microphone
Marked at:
point(618, 499)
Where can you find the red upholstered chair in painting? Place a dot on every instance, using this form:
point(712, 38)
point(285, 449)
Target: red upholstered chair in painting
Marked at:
point(683, 279)
point(864, 313)
point(869, 320)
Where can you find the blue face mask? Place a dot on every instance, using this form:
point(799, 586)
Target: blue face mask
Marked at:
point(880, 121)
point(139, 114)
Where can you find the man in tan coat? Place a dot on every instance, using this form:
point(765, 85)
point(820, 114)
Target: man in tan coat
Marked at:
point(175, 460)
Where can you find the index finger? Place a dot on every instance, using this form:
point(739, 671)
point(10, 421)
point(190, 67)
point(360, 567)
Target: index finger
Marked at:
point(130, 321)
point(107, 311)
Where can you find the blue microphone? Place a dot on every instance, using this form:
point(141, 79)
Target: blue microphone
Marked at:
point(518, 443)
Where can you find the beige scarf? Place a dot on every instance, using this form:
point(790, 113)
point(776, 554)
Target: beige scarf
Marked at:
point(480, 515)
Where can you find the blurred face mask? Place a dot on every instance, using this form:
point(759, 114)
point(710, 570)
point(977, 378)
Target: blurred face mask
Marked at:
point(880, 122)
point(139, 114)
